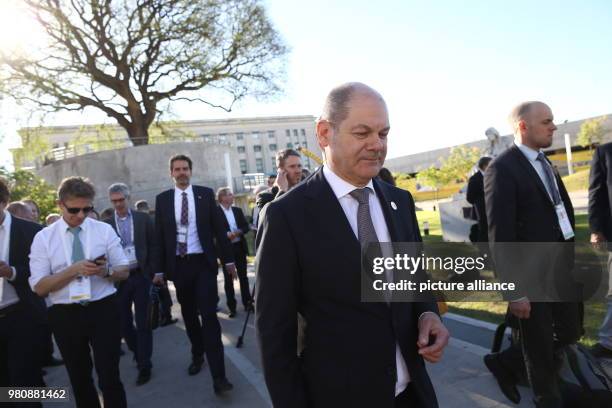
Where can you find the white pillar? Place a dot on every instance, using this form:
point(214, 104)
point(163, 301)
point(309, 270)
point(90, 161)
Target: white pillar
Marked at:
point(228, 170)
point(568, 153)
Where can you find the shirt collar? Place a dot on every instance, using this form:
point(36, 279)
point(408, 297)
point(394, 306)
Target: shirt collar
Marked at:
point(531, 154)
point(226, 210)
point(65, 227)
point(340, 187)
point(188, 190)
point(129, 214)
point(6, 223)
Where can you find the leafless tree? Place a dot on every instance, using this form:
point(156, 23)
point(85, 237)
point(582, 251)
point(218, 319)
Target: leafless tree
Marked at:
point(132, 58)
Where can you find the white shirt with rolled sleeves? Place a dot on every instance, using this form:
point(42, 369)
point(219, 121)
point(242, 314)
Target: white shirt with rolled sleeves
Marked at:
point(51, 253)
point(350, 206)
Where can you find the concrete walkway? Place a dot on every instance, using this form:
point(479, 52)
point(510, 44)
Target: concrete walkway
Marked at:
point(460, 380)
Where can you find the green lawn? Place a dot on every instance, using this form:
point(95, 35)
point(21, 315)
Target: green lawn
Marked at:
point(577, 181)
point(494, 312)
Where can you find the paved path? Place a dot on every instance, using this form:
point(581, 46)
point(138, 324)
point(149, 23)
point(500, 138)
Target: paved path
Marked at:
point(461, 379)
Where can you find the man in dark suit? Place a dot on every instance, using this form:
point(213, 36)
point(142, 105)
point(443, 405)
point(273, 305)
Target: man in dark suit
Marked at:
point(20, 357)
point(475, 196)
point(165, 300)
point(356, 353)
point(289, 168)
point(237, 227)
point(137, 235)
point(526, 201)
point(600, 222)
point(186, 221)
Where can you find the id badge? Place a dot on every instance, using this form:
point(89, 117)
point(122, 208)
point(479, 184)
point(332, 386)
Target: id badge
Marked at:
point(181, 234)
point(130, 253)
point(564, 222)
point(80, 289)
point(1, 288)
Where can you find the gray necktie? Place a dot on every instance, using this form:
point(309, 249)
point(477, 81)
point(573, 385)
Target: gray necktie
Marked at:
point(550, 179)
point(365, 227)
point(77, 247)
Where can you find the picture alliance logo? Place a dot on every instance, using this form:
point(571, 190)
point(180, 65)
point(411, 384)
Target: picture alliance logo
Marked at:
point(411, 264)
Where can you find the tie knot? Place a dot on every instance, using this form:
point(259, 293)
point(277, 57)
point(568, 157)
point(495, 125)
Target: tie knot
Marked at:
point(361, 195)
point(184, 194)
point(541, 157)
point(74, 230)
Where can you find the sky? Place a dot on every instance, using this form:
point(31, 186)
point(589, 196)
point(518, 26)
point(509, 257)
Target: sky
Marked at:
point(448, 70)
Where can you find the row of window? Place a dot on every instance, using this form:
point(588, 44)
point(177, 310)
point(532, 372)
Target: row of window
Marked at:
point(259, 165)
point(256, 134)
point(271, 147)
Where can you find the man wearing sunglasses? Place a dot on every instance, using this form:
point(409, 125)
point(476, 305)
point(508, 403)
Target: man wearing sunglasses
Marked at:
point(75, 262)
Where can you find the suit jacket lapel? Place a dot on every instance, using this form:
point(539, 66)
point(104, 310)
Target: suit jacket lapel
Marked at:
point(390, 216)
point(172, 211)
point(14, 238)
point(326, 208)
point(533, 174)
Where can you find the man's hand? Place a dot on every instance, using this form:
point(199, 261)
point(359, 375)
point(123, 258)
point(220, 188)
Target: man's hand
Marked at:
point(5, 270)
point(521, 309)
point(430, 325)
point(89, 268)
point(158, 280)
point(231, 270)
point(281, 181)
point(598, 240)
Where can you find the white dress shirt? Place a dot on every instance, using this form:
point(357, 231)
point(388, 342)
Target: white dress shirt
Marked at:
point(193, 240)
point(532, 156)
point(231, 220)
point(350, 206)
point(51, 253)
point(8, 294)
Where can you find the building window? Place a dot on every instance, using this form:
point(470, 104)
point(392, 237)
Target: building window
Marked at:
point(289, 145)
point(257, 148)
point(271, 134)
point(295, 133)
point(288, 133)
point(241, 149)
point(303, 131)
point(223, 137)
point(239, 136)
point(259, 165)
point(243, 166)
point(272, 147)
point(255, 135)
point(273, 163)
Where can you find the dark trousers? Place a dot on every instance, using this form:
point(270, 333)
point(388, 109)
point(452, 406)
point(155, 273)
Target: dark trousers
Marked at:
point(77, 329)
point(19, 350)
point(240, 258)
point(135, 290)
point(549, 327)
point(196, 291)
point(407, 398)
point(165, 302)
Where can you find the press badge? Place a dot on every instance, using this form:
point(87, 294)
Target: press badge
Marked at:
point(564, 222)
point(181, 234)
point(130, 254)
point(80, 289)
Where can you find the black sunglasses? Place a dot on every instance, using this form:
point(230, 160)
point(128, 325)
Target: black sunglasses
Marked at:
point(76, 210)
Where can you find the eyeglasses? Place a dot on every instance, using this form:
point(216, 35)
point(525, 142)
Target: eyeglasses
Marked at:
point(76, 210)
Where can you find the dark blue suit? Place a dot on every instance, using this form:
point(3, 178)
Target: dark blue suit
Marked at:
point(195, 276)
point(309, 262)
